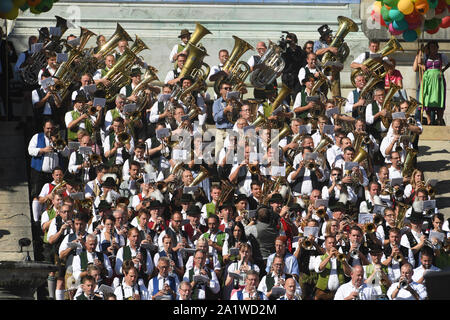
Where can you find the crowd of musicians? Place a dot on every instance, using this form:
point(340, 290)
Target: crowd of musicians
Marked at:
point(289, 192)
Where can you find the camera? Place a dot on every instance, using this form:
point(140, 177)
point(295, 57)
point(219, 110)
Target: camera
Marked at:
point(283, 42)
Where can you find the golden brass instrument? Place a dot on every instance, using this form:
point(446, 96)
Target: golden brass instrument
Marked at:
point(346, 25)
point(227, 190)
point(238, 71)
point(378, 219)
point(311, 165)
point(260, 120)
point(376, 68)
point(398, 257)
point(95, 159)
point(282, 94)
point(324, 143)
point(286, 131)
point(38, 60)
point(203, 174)
point(123, 138)
point(400, 218)
point(58, 189)
point(361, 139)
point(341, 257)
point(111, 44)
point(370, 228)
point(236, 106)
point(319, 82)
point(321, 213)
point(409, 159)
point(59, 143)
point(197, 35)
point(307, 244)
point(66, 73)
point(269, 68)
point(393, 88)
point(360, 156)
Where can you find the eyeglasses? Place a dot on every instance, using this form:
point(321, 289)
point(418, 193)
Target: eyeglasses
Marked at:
point(395, 158)
point(177, 221)
point(226, 88)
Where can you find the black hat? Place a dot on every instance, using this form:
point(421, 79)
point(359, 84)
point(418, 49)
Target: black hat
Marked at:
point(103, 205)
point(292, 36)
point(109, 183)
point(154, 204)
point(308, 77)
point(136, 72)
point(81, 97)
point(276, 198)
point(375, 249)
point(295, 207)
point(226, 205)
point(187, 78)
point(72, 179)
point(416, 217)
point(240, 197)
point(186, 198)
point(324, 30)
point(183, 33)
point(193, 210)
point(338, 206)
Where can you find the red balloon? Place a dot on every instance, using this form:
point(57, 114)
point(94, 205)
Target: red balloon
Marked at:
point(445, 22)
point(433, 31)
point(413, 17)
point(382, 22)
point(33, 3)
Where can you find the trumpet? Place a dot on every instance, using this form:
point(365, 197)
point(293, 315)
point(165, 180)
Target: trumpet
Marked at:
point(378, 220)
point(311, 165)
point(370, 228)
point(321, 213)
point(307, 244)
point(404, 284)
point(123, 138)
point(341, 257)
point(95, 160)
point(354, 254)
point(398, 257)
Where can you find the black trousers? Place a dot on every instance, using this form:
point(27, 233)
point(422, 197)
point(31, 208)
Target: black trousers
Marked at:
point(38, 179)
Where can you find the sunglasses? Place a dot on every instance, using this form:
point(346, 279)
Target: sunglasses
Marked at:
point(227, 88)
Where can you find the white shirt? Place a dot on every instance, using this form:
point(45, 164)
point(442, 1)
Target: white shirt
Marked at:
point(119, 260)
point(290, 263)
point(109, 119)
point(35, 99)
point(386, 143)
point(365, 292)
point(395, 173)
point(370, 117)
point(161, 281)
point(175, 51)
point(171, 75)
point(246, 294)
point(119, 158)
point(131, 291)
point(263, 287)
point(420, 271)
point(91, 256)
point(302, 73)
point(348, 108)
point(405, 294)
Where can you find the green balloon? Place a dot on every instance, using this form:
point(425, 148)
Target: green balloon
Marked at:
point(390, 3)
point(25, 7)
point(431, 24)
point(35, 10)
point(385, 14)
point(45, 5)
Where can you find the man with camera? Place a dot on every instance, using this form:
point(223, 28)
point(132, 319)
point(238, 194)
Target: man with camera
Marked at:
point(294, 58)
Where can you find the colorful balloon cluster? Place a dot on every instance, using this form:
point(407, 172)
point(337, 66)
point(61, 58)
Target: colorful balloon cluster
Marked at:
point(410, 17)
point(9, 9)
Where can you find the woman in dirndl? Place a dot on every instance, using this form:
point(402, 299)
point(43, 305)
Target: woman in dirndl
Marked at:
point(432, 92)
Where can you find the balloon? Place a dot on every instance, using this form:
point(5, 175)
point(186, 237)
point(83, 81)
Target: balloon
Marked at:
point(25, 7)
point(12, 15)
point(19, 3)
point(44, 6)
point(410, 35)
point(390, 3)
point(400, 25)
point(431, 24)
point(385, 14)
point(441, 6)
point(433, 3)
point(414, 25)
point(413, 17)
point(430, 14)
point(394, 31)
point(33, 3)
point(433, 31)
point(377, 6)
point(6, 6)
point(395, 14)
point(421, 6)
point(445, 22)
point(405, 6)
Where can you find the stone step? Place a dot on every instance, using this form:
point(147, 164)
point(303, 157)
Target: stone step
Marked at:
point(435, 133)
point(14, 215)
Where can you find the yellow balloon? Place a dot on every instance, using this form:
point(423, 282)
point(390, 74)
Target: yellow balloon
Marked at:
point(405, 6)
point(377, 6)
point(418, 31)
point(12, 14)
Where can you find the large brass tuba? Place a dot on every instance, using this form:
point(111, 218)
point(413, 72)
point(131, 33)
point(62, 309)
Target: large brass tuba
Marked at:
point(284, 92)
point(30, 72)
point(111, 44)
point(346, 25)
point(202, 175)
point(139, 91)
point(237, 70)
point(197, 35)
point(67, 72)
point(387, 103)
point(269, 68)
point(376, 68)
point(408, 165)
point(323, 144)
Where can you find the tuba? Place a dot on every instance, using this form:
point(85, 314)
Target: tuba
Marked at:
point(376, 68)
point(30, 72)
point(393, 88)
point(323, 145)
point(400, 219)
point(139, 91)
point(111, 44)
point(270, 67)
point(238, 71)
point(346, 25)
point(203, 174)
point(319, 82)
point(67, 73)
point(408, 165)
point(284, 92)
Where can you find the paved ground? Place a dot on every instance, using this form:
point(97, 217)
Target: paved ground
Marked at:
point(435, 162)
point(14, 204)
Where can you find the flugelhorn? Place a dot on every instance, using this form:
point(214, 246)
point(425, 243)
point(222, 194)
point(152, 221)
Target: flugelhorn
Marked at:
point(270, 67)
